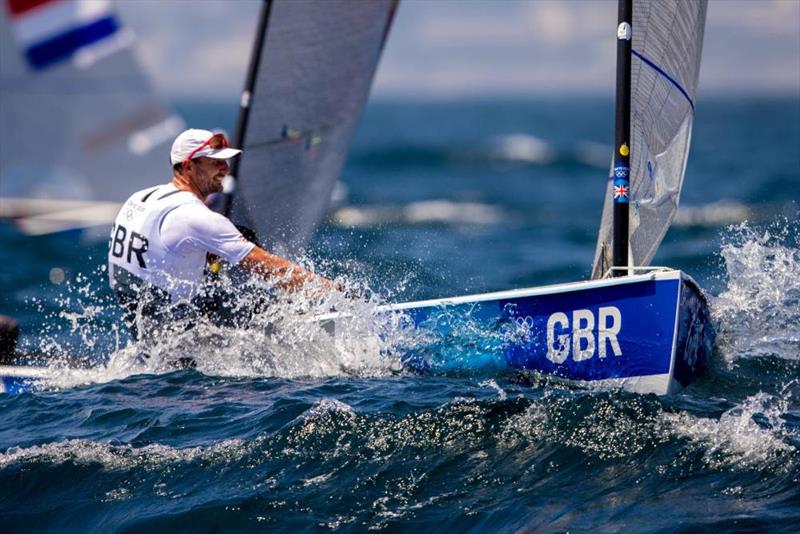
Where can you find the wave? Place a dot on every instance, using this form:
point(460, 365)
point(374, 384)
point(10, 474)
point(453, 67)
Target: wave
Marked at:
point(378, 453)
point(730, 212)
point(751, 435)
point(754, 434)
point(120, 457)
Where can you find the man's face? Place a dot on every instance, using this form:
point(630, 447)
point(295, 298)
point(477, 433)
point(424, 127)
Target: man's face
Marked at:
point(206, 174)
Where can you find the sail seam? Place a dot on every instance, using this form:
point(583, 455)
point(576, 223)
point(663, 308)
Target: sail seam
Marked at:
point(667, 76)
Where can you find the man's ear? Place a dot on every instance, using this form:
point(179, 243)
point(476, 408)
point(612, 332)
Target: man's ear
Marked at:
point(186, 165)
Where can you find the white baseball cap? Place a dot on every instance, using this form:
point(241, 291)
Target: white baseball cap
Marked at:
point(194, 143)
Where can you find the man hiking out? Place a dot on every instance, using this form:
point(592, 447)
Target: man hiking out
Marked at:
point(163, 234)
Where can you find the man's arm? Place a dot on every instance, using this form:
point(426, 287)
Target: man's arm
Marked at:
point(217, 235)
point(291, 276)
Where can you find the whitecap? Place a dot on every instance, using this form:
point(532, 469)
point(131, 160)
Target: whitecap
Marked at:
point(521, 148)
point(122, 457)
point(752, 434)
point(719, 213)
point(501, 393)
point(327, 406)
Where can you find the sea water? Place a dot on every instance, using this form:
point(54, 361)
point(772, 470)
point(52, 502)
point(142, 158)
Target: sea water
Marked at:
point(281, 425)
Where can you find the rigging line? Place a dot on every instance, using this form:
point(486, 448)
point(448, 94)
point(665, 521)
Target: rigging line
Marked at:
point(667, 76)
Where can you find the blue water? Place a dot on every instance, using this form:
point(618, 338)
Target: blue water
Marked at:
point(294, 432)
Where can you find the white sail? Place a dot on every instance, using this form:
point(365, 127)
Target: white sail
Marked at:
point(315, 72)
point(78, 120)
point(667, 45)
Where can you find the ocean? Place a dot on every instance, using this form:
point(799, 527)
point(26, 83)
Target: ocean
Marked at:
point(283, 430)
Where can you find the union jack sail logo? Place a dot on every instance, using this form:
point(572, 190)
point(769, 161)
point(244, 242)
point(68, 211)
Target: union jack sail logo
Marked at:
point(621, 191)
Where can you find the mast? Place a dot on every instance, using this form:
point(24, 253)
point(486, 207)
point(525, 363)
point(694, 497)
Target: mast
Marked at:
point(244, 103)
point(622, 187)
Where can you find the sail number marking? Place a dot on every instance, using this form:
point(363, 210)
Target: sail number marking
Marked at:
point(580, 340)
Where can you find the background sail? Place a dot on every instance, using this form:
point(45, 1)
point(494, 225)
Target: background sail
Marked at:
point(78, 120)
point(667, 45)
point(313, 79)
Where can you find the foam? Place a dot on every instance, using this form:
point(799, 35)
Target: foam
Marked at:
point(280, 340)
point(122, 457)
point(737, 440)
point(758, 313)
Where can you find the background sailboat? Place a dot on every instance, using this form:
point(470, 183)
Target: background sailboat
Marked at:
point(80, 126)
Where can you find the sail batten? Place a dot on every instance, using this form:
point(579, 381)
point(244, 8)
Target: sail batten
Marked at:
point(667, 76)
point(666, 51)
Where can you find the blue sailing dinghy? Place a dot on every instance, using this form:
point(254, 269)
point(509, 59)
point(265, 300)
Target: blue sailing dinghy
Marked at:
point(641, 328)
point(644, 329)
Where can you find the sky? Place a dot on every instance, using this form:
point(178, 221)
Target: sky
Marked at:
point(440, 49)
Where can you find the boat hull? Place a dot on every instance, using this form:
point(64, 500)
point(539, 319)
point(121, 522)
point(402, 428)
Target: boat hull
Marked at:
point(21, 378)
point(647, 333)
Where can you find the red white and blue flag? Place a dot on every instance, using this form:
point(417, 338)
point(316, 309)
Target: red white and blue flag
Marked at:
point(621, 191)
point(51, 31)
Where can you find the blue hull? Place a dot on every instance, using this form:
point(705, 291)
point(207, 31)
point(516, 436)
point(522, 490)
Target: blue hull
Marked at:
point(12, 384)
point(20, 378)
point(648, 333)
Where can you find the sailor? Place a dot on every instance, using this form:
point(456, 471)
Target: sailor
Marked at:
point(163, 234)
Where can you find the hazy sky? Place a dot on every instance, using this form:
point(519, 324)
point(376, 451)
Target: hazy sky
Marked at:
point(452, 48)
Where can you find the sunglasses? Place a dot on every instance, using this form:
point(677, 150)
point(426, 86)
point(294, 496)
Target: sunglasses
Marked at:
point(215, 142)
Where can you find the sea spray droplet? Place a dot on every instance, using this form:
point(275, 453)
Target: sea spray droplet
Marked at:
point(276, 337)
point(57, 275)
point(758, 313)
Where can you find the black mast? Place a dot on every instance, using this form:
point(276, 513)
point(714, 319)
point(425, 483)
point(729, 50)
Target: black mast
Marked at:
point(622, 135)
point(244, 103)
